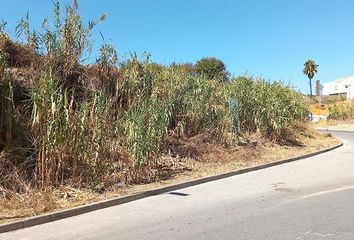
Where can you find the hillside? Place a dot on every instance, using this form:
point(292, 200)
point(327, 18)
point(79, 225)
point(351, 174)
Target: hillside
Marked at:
point(72, 132)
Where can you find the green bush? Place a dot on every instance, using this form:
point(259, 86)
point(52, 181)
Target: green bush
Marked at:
point(212, 68)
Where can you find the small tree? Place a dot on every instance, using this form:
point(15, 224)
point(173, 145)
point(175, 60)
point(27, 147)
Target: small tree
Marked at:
point(212, 68)
point(310, 69)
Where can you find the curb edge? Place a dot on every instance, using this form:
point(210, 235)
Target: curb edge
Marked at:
point(55, 216)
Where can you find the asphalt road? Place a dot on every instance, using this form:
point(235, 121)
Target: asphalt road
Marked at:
point(307, 199)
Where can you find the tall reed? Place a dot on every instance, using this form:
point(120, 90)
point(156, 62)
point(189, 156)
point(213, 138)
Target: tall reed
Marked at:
point(268, 107)
point(71, 137)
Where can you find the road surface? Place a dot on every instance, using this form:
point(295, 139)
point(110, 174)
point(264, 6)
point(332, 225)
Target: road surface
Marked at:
point(307, 199)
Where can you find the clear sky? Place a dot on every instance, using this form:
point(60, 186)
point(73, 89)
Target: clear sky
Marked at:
point(269, 38)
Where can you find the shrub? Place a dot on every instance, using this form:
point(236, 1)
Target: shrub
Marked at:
point(212, 69)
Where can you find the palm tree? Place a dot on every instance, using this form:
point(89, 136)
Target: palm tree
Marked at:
point(310, 69)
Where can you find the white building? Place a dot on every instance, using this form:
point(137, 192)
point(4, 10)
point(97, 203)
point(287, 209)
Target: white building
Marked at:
point(342, 86)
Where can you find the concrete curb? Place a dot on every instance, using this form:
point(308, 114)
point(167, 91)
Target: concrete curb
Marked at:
point(333, 130)
point(51, 217)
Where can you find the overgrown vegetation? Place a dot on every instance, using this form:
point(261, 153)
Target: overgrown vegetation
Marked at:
point(270, 108)
point(96, 125)
point(341, 111)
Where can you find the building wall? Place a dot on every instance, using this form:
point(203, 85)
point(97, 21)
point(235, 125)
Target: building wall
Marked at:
point(344, 86)
point(334, 89)
point(350, 94)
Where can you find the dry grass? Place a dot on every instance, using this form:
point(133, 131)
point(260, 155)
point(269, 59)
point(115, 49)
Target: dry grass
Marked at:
point(194, 158)
point(318, 109)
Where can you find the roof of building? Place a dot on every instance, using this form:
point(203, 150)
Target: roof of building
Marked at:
point(344, 80)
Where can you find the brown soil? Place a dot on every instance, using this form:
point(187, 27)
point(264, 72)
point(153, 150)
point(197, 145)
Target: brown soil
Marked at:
point(189, 158)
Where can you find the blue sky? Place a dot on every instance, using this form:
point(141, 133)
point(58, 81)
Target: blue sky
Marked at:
point(269, 38)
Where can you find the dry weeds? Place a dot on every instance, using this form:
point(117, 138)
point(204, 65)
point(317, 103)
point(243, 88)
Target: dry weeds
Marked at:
point(193, 158)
